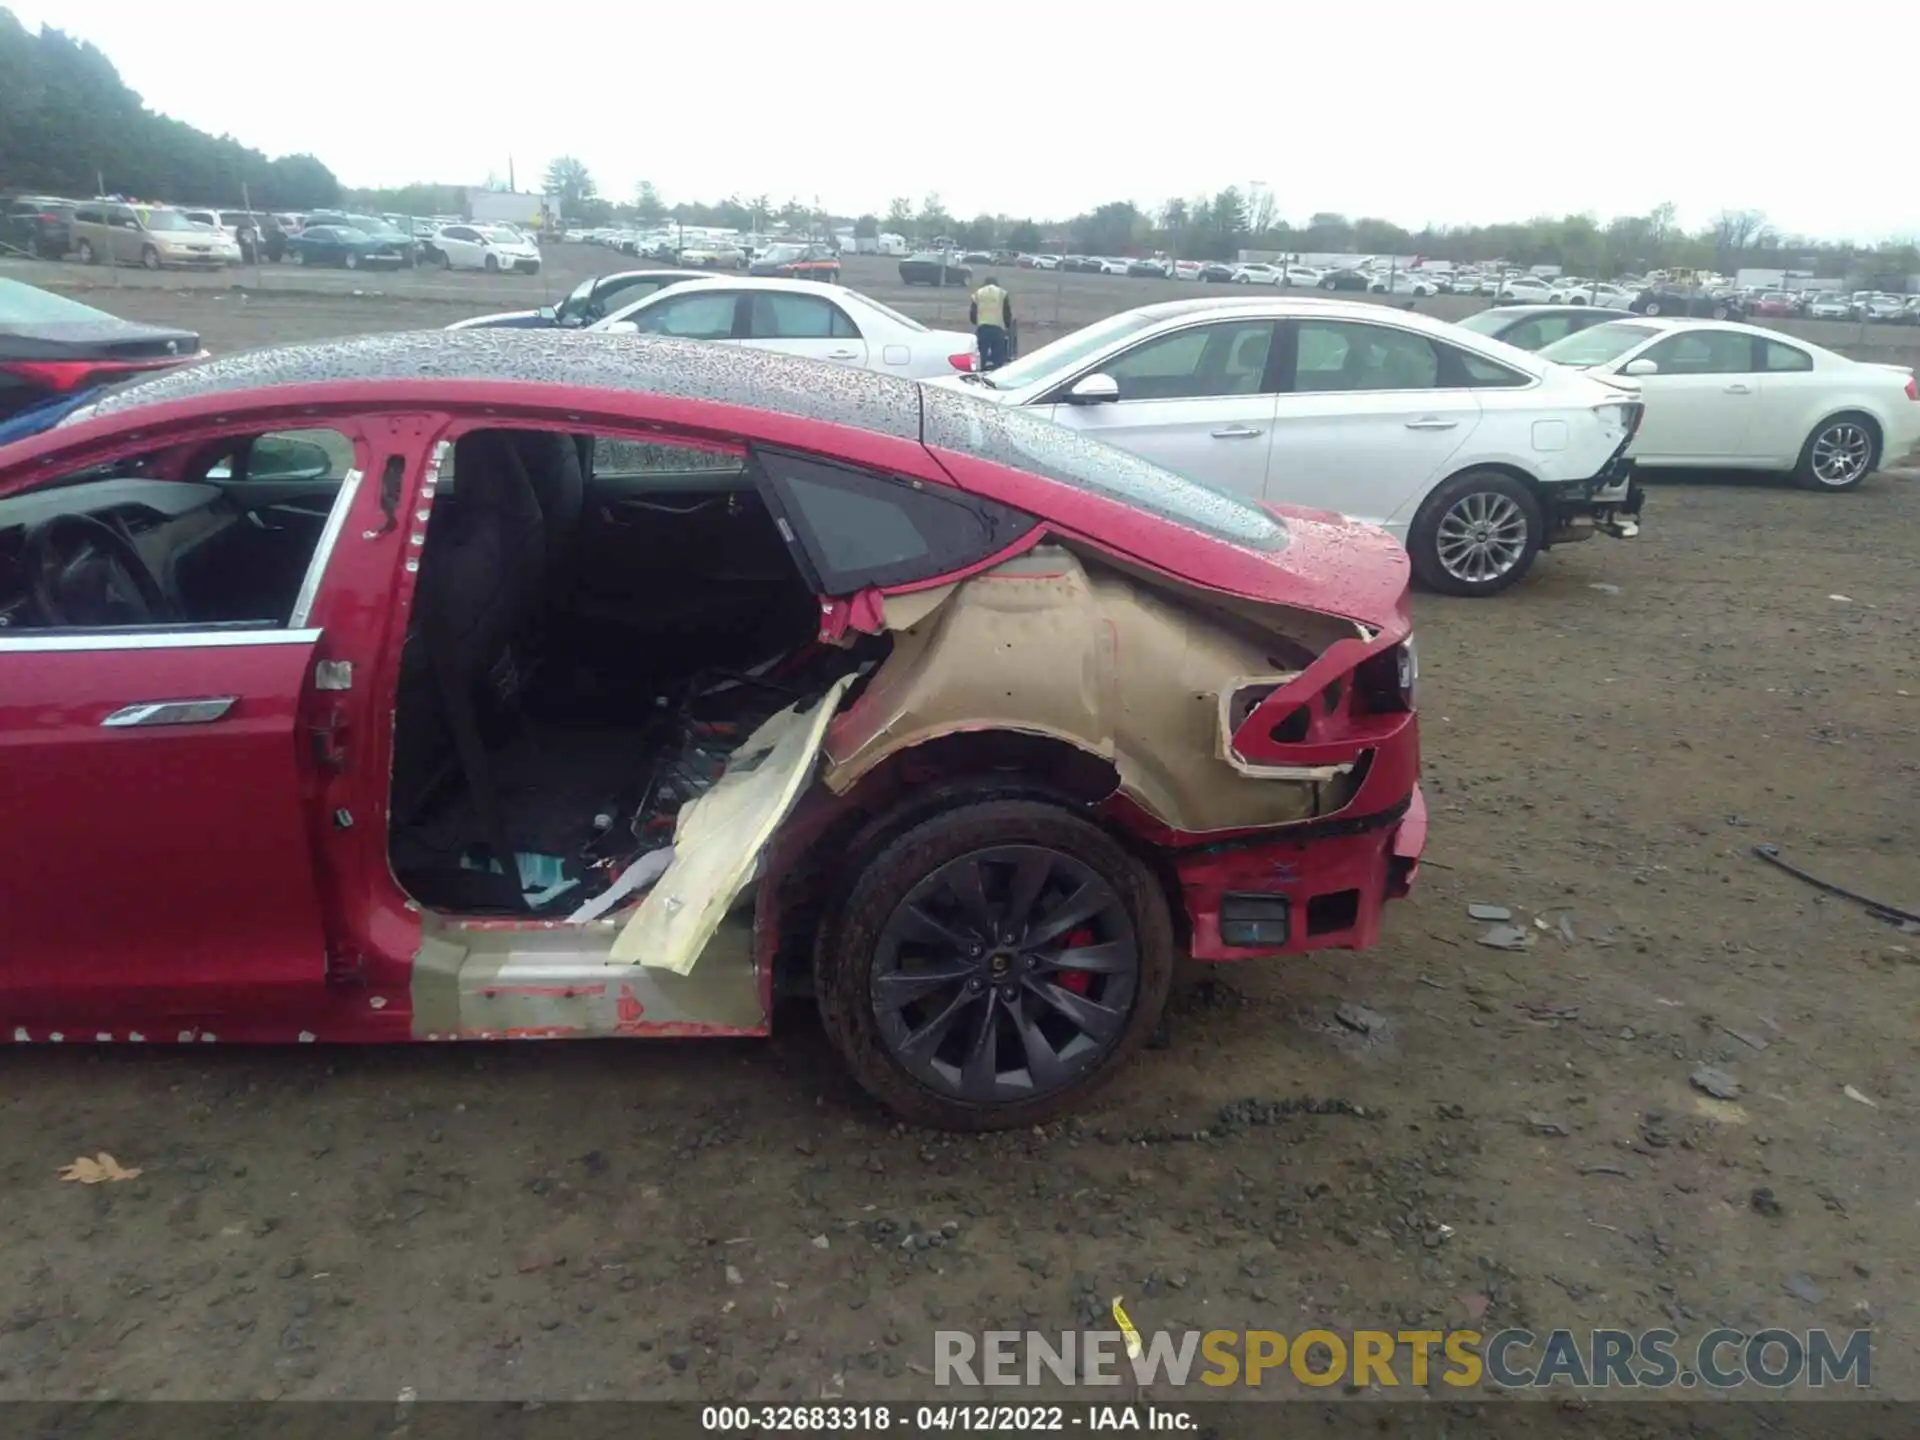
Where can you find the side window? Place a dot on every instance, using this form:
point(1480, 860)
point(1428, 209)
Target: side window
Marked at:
point(113, 546)
point(1703, 352)
point(858, 528)
point(609, 298)
point(1462, 369)
point(706, 316)
point(1204, 361)
point(1350, 355)
point(777, 316)
point(1540, 331)
point(843, 326)
point(1786, 357)
point(87, 216)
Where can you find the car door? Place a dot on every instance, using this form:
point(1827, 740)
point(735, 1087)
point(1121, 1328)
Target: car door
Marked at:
point(807, 325)
point(461, 245)
point(1198, 400)
point(1703, 402)
point(1795, 402)
point(128, 238)
point(700, 314)
point(1364, 421)
point(160, 858)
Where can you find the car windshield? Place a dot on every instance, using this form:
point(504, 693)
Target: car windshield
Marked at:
point(1008, 436)
point(784, 252)
point(368, 225)
point(1598, 345)
point(1068, 351)
point(165, 220)
point(27, 305)
point(501, 236)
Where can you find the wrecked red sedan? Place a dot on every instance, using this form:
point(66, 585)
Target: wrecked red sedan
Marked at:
point(485, 685)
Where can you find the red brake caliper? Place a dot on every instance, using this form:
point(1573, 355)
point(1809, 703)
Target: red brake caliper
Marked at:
point(1075, 980)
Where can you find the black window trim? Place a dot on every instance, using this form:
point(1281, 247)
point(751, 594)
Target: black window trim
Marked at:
point(1268, 377)
point(1755, 355)
point(1449, 372)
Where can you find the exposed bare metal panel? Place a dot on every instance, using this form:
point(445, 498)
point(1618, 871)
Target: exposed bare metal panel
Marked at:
point(1046, 644)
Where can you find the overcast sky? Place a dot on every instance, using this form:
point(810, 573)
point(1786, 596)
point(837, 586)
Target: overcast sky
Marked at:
point(1467, 112)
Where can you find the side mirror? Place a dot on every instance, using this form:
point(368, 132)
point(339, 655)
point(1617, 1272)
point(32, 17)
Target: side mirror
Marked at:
point(621, 327)
point(1641, 367)
point(548, 313)
point(1094, 390)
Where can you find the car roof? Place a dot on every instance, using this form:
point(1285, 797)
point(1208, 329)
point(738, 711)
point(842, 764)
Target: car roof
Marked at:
point(1521, 312)
point(581, 359)
point(764, 282)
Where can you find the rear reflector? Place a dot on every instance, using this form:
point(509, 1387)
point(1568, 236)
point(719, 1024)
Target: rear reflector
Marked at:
point(1913, 391)
point(62, 376)
point(965, 362)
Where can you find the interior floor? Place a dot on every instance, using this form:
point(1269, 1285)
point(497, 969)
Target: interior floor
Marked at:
point(586, 650)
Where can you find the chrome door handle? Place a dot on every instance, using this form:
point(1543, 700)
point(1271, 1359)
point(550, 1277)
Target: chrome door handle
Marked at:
point(1237, 432)
point(843, 355)
point(1432, 423)
point(170, 712)
point(1738, 389)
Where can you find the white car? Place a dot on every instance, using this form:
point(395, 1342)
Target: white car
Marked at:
point(1476, 455)
point(1111, 266)
point(1186, 269)
point(1830, 307)
point(1729, 396)
point(1528, 289)
point(1402, 282)
point(1304, 276)
point(1046, 262)
point(486, 247)
point(798, 317)
point(1595, 292)
point(1257, 273)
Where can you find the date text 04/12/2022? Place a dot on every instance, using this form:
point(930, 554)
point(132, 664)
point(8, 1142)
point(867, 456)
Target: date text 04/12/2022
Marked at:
point(941, 1419)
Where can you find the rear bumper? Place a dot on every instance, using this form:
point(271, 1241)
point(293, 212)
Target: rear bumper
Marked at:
point(1607, 503)
point(1318, 886)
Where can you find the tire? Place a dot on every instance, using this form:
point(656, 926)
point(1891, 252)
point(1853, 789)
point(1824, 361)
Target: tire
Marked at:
point(446, 261)
point(33, 248)
point(1328, 285)
point(149, 258)
point(352, 261)
point(1576, 300)
point(85, 251)
point(1490, 504)
point(1720, 312)
point(1650, 307)
point(861, 937)
point(492, 265)
point(1848, 435)
point(300, 257)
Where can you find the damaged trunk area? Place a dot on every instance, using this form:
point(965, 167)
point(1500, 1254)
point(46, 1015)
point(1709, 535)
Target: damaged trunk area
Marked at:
point(599, 627)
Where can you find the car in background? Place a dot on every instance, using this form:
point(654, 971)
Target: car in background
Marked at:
point(493, 248)
point(1534, 327)
point(1303, 277)
point(153, 236)
point(1731, 396)
point(1884, 309)
point(711, 255)
point(1383, 415)
point(976, 257)
point(1215, 272)
point(594, 298)
point(41, 227)
point(1775, 303)
point(1186, 269)
point(1080, 264)
point(1345, 280)
point(1524, 290)
point(1593, 292)
point(55, 351)
point(1047, 262)
point(798, 262)
point(927, 268)
point(1682, 295)
point(1831, 306)
point(1149, 269)
point(809, 318)
point(1114, 265)
point(326, 243)
point(1257, 272)
point(1404, 282)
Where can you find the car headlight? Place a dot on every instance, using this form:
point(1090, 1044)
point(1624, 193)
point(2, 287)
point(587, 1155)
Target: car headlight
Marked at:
point(1409, 669)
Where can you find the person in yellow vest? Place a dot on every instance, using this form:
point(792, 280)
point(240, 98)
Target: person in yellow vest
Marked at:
point(992, 317)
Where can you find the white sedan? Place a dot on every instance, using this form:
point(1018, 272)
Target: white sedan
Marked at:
point(1528, 289)
point(486, 247)
point(1302, 275)
point(1594, 292)
point(798, 317)
point(1402, 282)
point(1728, 396)
point(1257, 273)
point(1475, 454)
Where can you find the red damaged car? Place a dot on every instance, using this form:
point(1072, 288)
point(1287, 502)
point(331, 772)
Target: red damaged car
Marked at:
point(482, 685)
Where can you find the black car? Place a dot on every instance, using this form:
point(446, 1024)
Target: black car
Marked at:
point(40, 226)
point(592, 299)
point(1689, 300)
point(1081, 264)
point(1214, 273)
point(1533, 327)
point(1148, 269)
point(53, 350)
point(1345, 280)
point(927, 268)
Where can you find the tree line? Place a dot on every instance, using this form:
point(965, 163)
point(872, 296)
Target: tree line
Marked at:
point(70, 126)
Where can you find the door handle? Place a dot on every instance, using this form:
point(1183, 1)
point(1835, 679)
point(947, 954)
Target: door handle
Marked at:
point(843, 355)
point(1432, 422)
point(170, 712)
point(1237, 432)
point(1739, 389)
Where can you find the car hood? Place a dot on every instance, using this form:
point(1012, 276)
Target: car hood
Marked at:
point(505, 320)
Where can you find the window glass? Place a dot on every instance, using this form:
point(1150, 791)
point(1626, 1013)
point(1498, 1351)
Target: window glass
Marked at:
point(1787, 357)
point(1599, 343)
point(860, 528)
point(1537, 333)
point(1704, 352)
point(1476, 371)
point(615, 458)
point(777, 316)
point(705, 316)
point(1205, 360)
point(1348, 355)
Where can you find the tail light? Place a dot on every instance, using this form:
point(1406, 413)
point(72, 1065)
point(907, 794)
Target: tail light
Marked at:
point(1913, 388)
point(965, 362)
point(65, 376)
point(1386, 682)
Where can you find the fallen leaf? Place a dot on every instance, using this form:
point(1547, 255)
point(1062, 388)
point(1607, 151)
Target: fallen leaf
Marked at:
point(96, 1169)
point(1846, 1090)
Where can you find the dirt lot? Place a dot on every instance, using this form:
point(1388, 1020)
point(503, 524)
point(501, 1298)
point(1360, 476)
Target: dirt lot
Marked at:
point(1516, 1142)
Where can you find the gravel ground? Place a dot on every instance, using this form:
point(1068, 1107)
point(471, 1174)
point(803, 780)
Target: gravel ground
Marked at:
point(721, 1220)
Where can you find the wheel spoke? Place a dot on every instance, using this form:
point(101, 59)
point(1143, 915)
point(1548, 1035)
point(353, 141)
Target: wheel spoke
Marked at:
point(903, 987)
point(1086, 901)
point(1044, 1069)
point(1096, 1021)
point(965, 884)
point(919, 924)
point(1110, 959)
point(980, 1070)
point(1028, 878)
point(918, 1047)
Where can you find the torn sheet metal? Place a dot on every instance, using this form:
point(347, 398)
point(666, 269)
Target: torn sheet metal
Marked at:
point(719, 837)
point(1047, 645)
